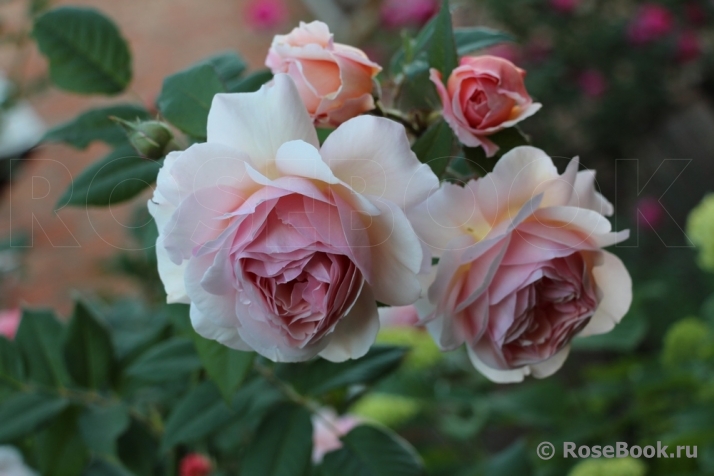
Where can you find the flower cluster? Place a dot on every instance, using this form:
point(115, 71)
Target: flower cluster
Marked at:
point(284, 246)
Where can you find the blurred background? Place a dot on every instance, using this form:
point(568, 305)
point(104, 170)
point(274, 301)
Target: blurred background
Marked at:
point(626, 85)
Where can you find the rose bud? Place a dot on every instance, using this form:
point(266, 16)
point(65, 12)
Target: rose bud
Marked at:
point(334, 80)
point(484, 95)
point(282, 245)
point(195, 464)
point(522, 270)
point(9, 322)
point(150, 139)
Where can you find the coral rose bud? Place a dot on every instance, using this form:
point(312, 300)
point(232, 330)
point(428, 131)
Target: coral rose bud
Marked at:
point(484, 95)
point(334, 80)
point(9, 322)
point(195, 464)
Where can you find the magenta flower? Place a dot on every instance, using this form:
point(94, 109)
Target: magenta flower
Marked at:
point(651, 23)
point(401, 13)
point(266, 14)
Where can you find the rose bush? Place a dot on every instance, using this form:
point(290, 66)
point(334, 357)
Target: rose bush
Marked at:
point(281, 246)
point(521, 269)
point(334, 80)
point(484, 95)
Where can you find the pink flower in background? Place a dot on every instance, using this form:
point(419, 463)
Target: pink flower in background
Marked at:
point(401, 13)
point(564, 6)
point(281, 245)
point(9, 322)
point(521, 269)
point(195, 464)
point(266, 14)
point(593, 83)
point(334, 80)
point(484, 95)
point(507, 51)
point(327, 428)
point(650, 23)
point(649, 212)
point(688, 47)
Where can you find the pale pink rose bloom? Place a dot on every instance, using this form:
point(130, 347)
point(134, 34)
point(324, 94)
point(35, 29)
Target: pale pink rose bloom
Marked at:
point(327, 428)
point(282, 246)
point(9, 322)
point(334, 80)
point(521, 269)
point(266, 14)
point(651, 23)
point(398, 316)
point(401, 13)
point(484, 95)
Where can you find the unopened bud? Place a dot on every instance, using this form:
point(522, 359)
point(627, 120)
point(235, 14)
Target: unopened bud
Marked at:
point(150, 139)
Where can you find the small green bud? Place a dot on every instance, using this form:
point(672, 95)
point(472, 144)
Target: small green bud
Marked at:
point(387, 409)
point(150, 139)
point(686, 340)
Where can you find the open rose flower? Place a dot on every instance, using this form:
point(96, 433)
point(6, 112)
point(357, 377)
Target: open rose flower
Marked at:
point(281, 246)
point(334, 80)
point(484, 95)
point(521, 269)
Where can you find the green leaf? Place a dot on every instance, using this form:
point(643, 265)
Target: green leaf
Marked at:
point(321, 376)
point(476, 38)
point(442, 48)
point(39, 338)
point(252, 82)
point(11, 365)
point(323, 133)
point(23, 413)
point(101, 426)
point(196, 416)
point(413, 49)
point(118, 177)
point(169, 360)
point(435, 147)
point(229, 68)
point(86, 51)
point(625, 337)
point(88, 349)
point(372, 451)
point(106, 467)
point(506, 140)
point(282, 445)
point(513, 461)
point(186, 98)
point(59, 448)
point(137, 450)
point(95, 125)
point(226, 367)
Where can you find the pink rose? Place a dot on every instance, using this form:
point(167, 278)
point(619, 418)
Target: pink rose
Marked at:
point(266, 14)
point(484, 95)
point(521, 269)
point(564, 6)
point(281, 246)
point(9, 322)
point(334, 80)
point(401, 13)
point(651, 23)
point(327, 428)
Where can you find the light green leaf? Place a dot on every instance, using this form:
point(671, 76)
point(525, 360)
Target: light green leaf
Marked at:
point(88, 349)
point(471, 39)
point(372, 451)
point(282, 445)
point(39, 338)
point(86, 51)
point(321, 376)
point(442, 53)
point(23, 413)
point(229, 67)
point(101, 426)
point(196, 416)
point(226, 367)
point(95, 125)
point(435, 147)
point(118, 177)
point(169, 360)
